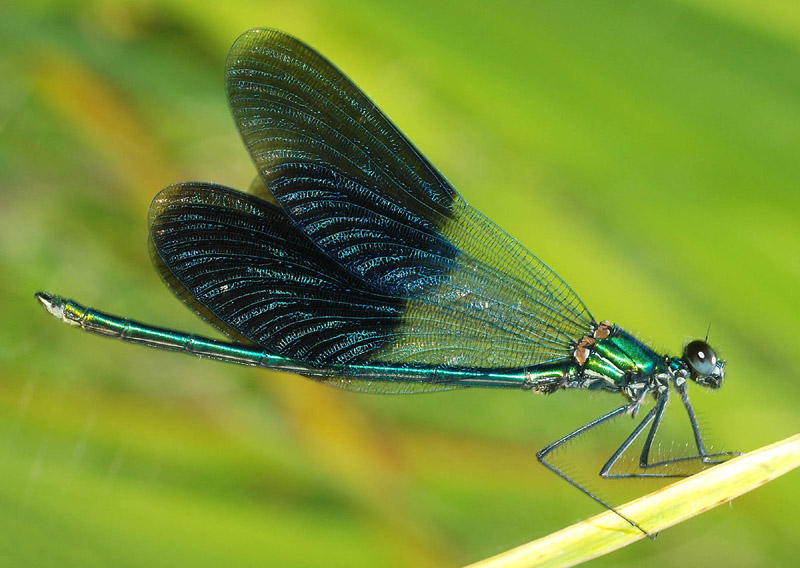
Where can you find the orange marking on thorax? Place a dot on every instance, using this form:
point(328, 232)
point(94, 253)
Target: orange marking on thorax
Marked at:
point(585, 346)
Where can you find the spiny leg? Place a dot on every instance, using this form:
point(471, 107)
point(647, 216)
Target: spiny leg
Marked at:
point(544, 452)
point(655, 415)
point(698, 437)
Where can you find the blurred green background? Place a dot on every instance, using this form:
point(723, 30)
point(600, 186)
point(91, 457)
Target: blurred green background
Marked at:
point(647, 151)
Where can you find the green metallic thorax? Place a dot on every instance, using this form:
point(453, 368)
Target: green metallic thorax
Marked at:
point(620, 355)
point(614, 363)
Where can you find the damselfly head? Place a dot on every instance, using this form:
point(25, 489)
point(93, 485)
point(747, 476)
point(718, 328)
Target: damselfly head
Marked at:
point(705, 368)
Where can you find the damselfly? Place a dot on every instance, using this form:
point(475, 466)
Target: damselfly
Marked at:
point(354, 262)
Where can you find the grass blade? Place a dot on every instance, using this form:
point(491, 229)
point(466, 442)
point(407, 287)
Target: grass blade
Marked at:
point(671, 505)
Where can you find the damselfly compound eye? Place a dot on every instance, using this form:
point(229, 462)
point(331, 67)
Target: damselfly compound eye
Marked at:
point(700, 358)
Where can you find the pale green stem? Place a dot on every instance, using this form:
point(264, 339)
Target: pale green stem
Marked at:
point(655, 512)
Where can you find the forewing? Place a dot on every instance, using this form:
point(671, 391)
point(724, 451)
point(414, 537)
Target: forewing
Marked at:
point(361, 191)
